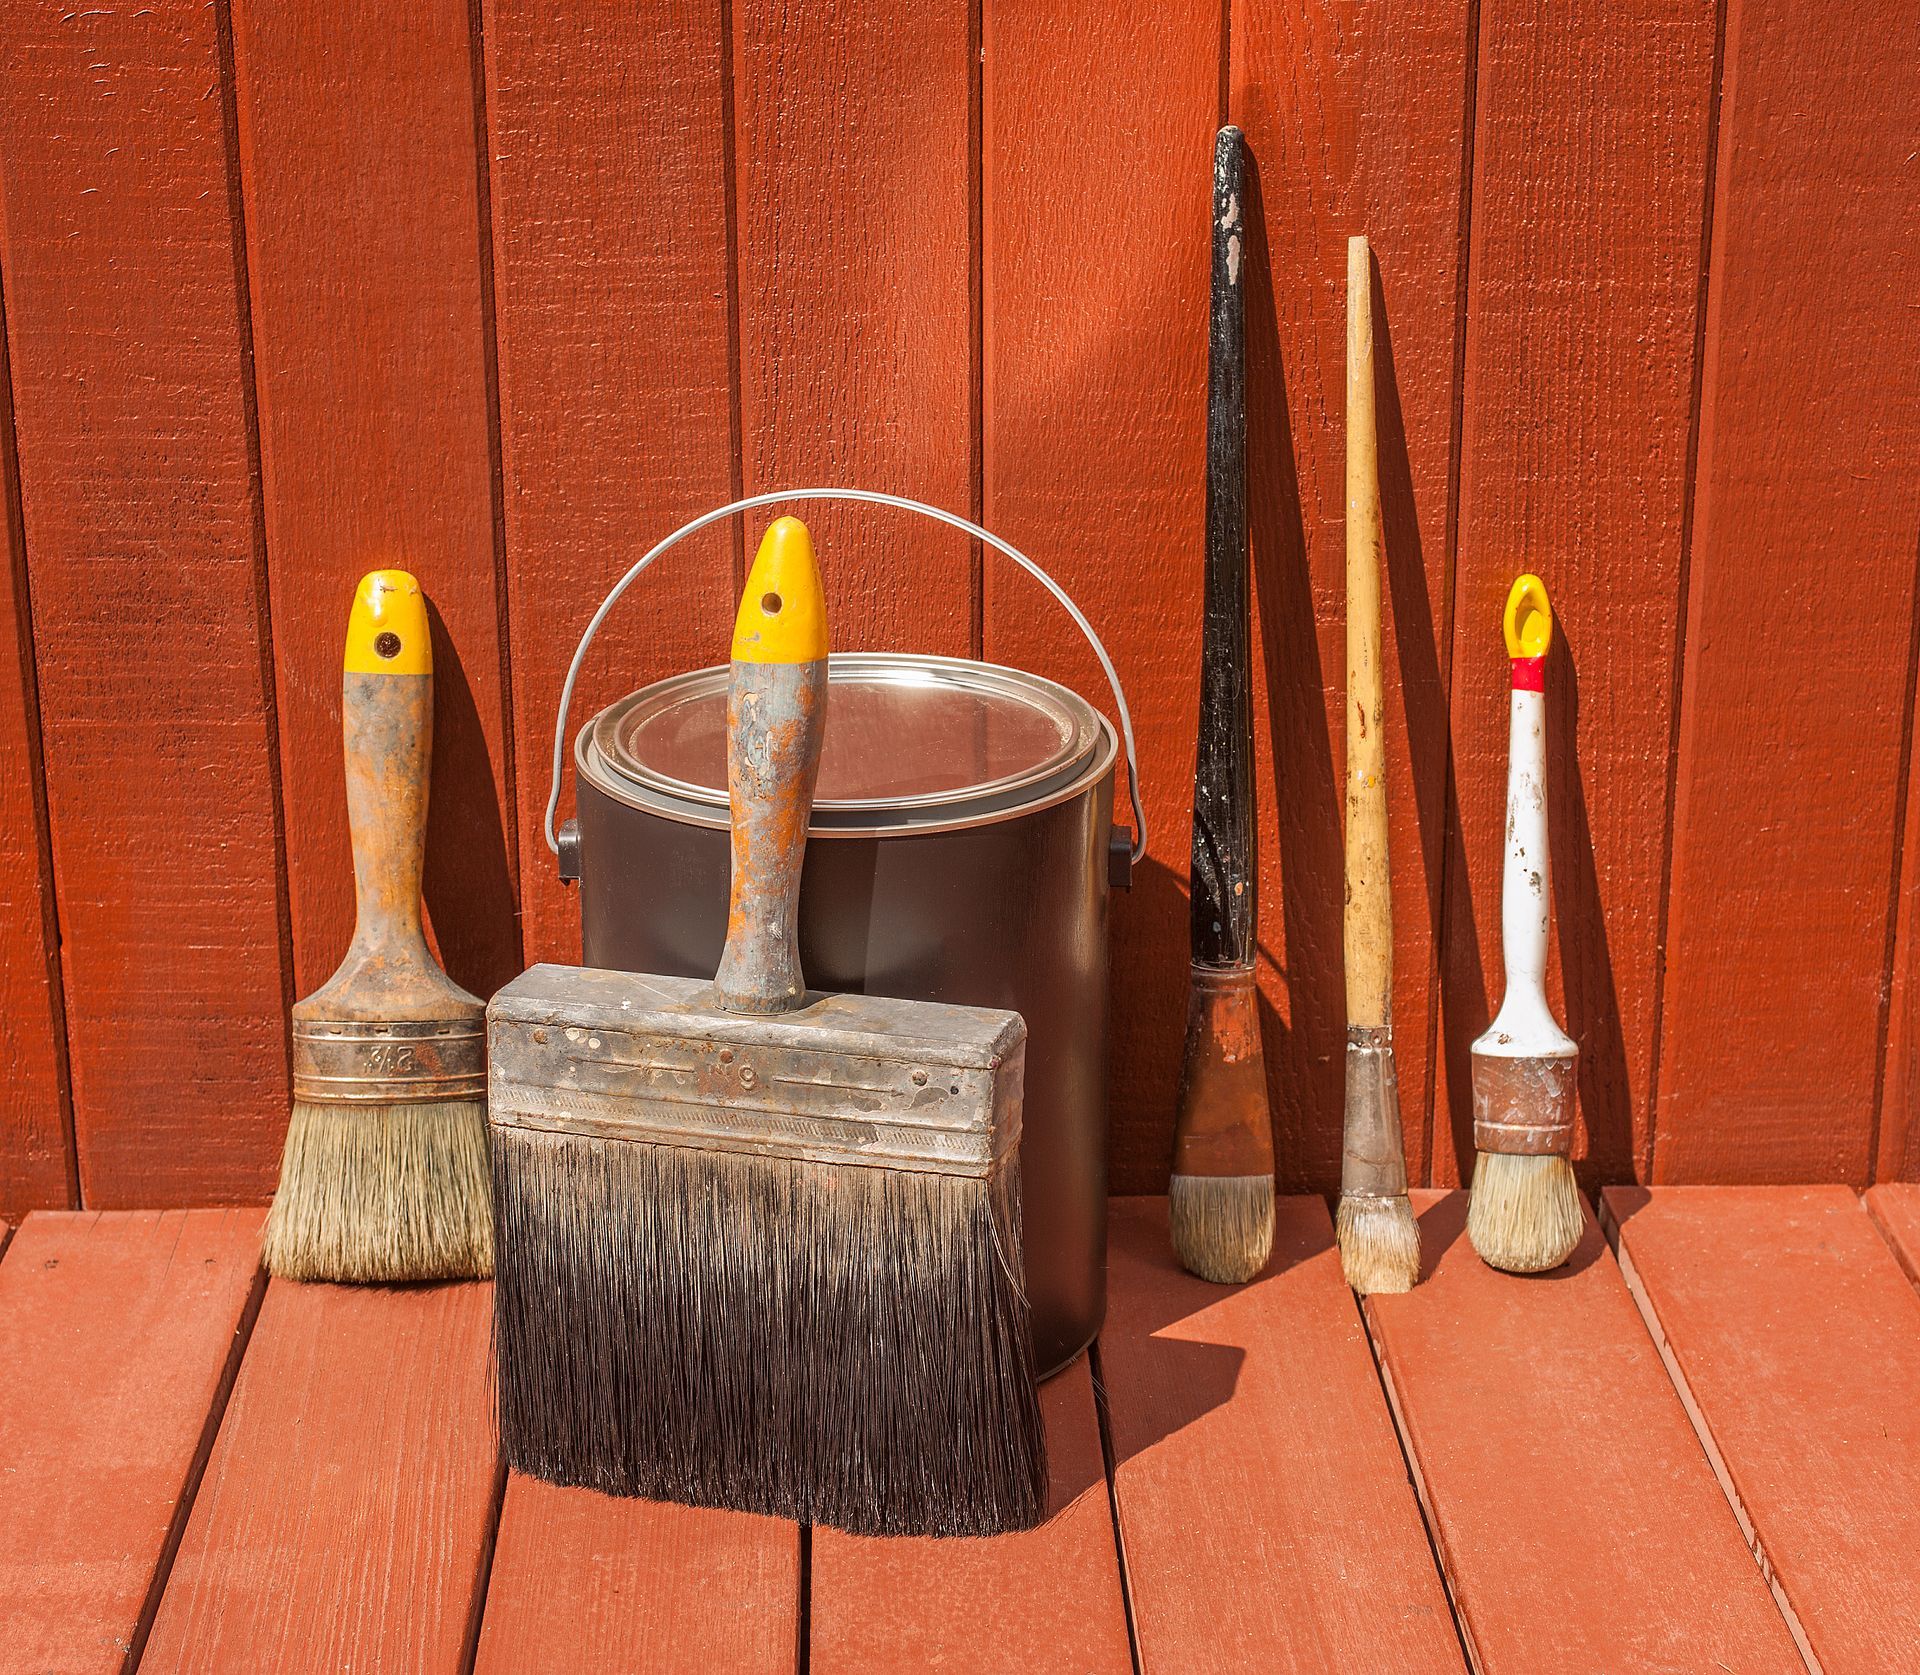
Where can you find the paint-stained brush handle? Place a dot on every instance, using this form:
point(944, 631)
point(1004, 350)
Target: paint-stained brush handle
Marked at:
point(389, 1024)
point(1527, 625)
point(776, 715)
point(1222, 901)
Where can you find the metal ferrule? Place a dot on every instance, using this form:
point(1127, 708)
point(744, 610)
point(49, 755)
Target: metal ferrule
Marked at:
point(360, 1062)
point(1523, 1106)
point(1373, 1160)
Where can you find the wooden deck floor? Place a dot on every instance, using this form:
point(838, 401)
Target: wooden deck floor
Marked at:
point(1697, 1448)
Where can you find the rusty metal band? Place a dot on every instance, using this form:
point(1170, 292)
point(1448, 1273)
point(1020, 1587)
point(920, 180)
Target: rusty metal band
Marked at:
point(1523, 1107)
point(358, 1062)
point(1373, 1159)
point(1222, 1127)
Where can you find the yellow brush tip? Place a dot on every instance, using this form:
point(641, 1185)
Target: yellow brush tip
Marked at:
point(387, 632)
point(783, 613)
point(1529, 619)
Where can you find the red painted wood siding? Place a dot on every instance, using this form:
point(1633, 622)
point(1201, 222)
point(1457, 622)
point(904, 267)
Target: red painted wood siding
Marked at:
point(505, 290)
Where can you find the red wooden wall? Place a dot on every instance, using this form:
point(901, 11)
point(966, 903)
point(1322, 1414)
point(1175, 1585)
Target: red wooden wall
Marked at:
point(503, 289)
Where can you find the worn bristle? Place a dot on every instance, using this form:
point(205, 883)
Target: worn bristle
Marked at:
point(383, 1194)
point(1222, 1225)
point(834, 1344)
point(1379, 1244)
point(1524, 1214)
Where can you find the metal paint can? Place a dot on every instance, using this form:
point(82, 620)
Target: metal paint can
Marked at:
point(961, 849)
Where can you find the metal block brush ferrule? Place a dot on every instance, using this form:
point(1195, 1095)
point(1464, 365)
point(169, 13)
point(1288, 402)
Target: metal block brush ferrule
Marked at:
point(851, 1079)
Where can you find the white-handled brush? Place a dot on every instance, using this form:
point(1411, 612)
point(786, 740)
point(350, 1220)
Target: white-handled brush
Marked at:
point(1524, 1215)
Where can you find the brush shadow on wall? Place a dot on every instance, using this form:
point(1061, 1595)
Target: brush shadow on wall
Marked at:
point(469, 882)
point(1305, 1050)
point(1423, 692)
point(1605, 1153)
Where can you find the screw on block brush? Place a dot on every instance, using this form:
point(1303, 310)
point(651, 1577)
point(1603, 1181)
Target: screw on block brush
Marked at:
point(1221, 1195)
point(1524, 1214)
point(1379, 1240)
point(384, 1175)
point(760, 1247)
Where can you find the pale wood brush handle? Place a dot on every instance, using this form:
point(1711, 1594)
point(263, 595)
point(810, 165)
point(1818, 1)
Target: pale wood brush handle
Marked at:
point(1368, 921)
point(776, 716)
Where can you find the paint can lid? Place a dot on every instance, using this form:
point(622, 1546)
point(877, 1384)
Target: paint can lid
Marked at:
point(912, 743)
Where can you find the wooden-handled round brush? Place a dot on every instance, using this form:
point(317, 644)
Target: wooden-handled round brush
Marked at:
point(384, 1176)
point(1221, 1196)
point(1524, 1215)
point(1379, 1241)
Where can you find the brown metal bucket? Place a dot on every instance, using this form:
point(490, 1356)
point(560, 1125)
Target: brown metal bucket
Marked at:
point(961, 849)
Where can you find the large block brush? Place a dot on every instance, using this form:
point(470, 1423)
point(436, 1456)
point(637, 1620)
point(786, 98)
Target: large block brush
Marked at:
point(1524, 1214)
point(1379, 1240)
point(760, 1247)
point(1221, 1196)
point(384, 1174)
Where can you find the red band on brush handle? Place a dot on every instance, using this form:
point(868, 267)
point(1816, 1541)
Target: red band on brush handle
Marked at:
point(1529, 674)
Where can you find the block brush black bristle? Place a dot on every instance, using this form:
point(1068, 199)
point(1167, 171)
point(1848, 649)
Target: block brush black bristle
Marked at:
point(837, 1345)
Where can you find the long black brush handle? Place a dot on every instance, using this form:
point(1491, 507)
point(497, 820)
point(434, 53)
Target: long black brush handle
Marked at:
point(1222, 876)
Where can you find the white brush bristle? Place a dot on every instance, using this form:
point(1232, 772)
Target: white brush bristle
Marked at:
point(1379, 1244)
point(1222, 1225)
point(1524, 1214)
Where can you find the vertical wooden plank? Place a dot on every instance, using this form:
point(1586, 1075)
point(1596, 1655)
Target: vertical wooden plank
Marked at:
point(1580, 1528)
point(1795, 1339)
point(38, 1169)
point(119, 1335)
point(1590, 157)
point(1801, 605)
point(854, 177)
point(132, 406)
point(1264, 1503)
point(1046, 1599)
point(347, 1514)
point(1356, 116)
point(1099, 122)
point(360, 168)
point(610, 195)
point(583, 1584)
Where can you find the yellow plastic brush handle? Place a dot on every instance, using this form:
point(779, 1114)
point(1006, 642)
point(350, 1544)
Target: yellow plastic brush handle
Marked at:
point(776, 717)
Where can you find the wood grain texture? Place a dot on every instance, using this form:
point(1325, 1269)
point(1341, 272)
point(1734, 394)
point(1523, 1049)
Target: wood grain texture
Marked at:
point(1099, 122)
point(854, 181)
point(1047, 1599)
point(612, 279)
point(131, 404)
point(347, 1513)
point(1796, 1338)
point(1264, 1504)
point(584, 1584)
point(38, 1167)
point(1800, 608)
point(1895, 1210)
point(358, 155)
point(119, 1334)
point(1578, 1524)
point(1589, 183)
point(1356, 115)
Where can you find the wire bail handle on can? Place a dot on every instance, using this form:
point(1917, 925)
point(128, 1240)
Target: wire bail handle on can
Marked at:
point(871, 497)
